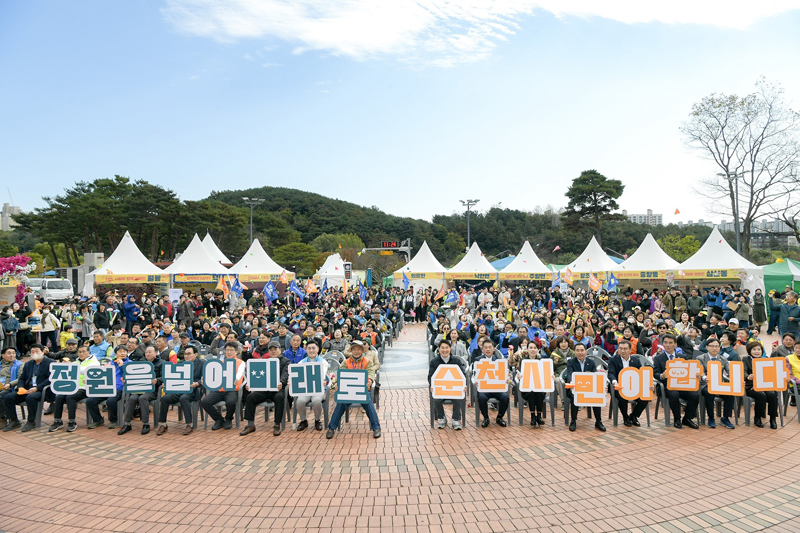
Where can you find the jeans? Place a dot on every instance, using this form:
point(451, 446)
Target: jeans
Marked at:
point(369, 408)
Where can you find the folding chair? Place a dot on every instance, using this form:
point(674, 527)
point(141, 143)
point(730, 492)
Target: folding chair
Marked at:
point(155, 403)
point(662, 400)
point(491, 401)
point(748, 403)
point(39, 408)
point(268, 406)
point(120, 409)
point(237, 414)
point(549, 399)
point(195, 410)
point(718, 408)
point(791, 390)
point(451, 402)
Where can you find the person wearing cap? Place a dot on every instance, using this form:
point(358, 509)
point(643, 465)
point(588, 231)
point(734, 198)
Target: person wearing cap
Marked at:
point(277, 397)
point(180, 349)
point(86, 360)
point(190, 356)
point(70, 352)
point(356, 361)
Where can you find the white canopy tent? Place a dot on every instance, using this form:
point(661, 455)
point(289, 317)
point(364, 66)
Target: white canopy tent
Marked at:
point(214, 250)
point(126, 264)
point(196, 265)
point(256, 266)
point(472, 266)
point(526, 266)
point(716, 263)
point(424, 270)
point(331, 270)
point(593, 260)
point(647, 264)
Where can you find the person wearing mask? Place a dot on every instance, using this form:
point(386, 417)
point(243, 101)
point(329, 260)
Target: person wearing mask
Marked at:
point(185, 399)
point(762, 399)
point(277, 397)
point(50, 328)
point(86, 360)
point(714, 354)
point(674, 397)
point(312, 351)
point(34, 378)
point(444, 356)
point(621, 360)
point(144, 399)
point(9, 326)
point(580, 363)
point(356, 361)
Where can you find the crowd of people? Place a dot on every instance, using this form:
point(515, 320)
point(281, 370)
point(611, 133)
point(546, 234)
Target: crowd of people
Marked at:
point(631, 327)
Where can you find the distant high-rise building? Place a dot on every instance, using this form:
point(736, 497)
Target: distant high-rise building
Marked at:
point(7, 223)
point(649, 218)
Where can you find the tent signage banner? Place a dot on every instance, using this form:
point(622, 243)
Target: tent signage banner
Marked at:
point(106, 279)
point(712, 274)
point(256, 278)
point(196, 278)
point(419, 275)
point(643, 275)
point(584, 276)
point(529, 276)
point(469, 275)
point(8, 282)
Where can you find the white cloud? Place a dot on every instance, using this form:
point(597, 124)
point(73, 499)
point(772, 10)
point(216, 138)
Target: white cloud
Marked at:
point(431, 31)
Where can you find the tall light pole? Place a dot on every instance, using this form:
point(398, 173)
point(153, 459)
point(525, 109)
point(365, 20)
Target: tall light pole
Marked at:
point(468, 204)
point(734, 176)
point(252, 202)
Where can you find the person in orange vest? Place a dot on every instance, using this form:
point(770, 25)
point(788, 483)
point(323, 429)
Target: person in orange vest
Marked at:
point(356, 361)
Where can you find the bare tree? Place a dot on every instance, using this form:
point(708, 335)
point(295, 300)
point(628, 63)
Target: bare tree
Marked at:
point(753, 140)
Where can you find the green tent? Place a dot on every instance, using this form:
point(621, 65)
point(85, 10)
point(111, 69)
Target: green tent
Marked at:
point(778, 275)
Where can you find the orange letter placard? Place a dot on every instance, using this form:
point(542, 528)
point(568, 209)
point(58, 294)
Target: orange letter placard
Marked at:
point(769, 373)
point(448, 383)
point(536, 375)
point(634, 383)
point(682, 374)
point(716, 385)
point(491, 376)
point(589, 389)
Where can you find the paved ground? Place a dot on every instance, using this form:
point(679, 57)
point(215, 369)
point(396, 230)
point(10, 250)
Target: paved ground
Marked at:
point(413, 479)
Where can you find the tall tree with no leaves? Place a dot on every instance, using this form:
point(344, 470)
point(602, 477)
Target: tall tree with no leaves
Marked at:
point(753, 141)
point(592, 200)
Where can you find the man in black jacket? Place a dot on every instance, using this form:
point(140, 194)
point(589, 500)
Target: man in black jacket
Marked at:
point(443, 357)
point(169, 399)
point(692, 398)
point(580, 363)
point(34, 378)
point(255, 398)
point(622, 359)
point(143, 400)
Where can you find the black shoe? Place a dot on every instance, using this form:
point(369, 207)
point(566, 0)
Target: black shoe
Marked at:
point(792, 401)
point(145, 429)
point(71, 426)
point(501, 422)
point(11, 425)
point(485, 423)
point(57, 424)
point(376, 434)
point(276, 430)
point(627, 422)
point(573, 426)
point(539, 419)
point(330, 433)
point(228, 424)
point(757, 422)
point(677, 424)
point(773, 424)
point(302, 425)
point(28, 426)
point(534, 423)
point(691, 423)
point(124, 429)
point(218, 425)
point(318, 425)
point(635, 421)
point(599, 425)
point(48, 411)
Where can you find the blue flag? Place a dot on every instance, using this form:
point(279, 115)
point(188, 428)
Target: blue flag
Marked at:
point(406, 282)
point(236, 287)
point(612, 282)
point(270, 294)
point(452, 297)
point(556, 280)
point(362, 291)
point(521, 297)
point(325, 286)
point(294, 289)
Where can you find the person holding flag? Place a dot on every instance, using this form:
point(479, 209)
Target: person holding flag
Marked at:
point(406, 282)
point(294, 289)
point(270, 294)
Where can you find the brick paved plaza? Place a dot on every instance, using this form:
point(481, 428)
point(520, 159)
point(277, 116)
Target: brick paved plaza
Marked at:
point(412, 479)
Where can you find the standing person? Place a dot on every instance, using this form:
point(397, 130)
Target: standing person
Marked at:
point(277, 397)
point(759, 309)
point(789, 320)
point(131, 311)
point(774, 315)
point(580, 363)
point(24, 336)
point(356, 361)
point(35, 376)
point(10, 326)
point(50, 329)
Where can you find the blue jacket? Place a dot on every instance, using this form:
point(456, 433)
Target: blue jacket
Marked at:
point(505, 336)
point(100, 350)
point(295, 357)
point(11, 325)
point(130, 309)
point(118, 372)
point(15, 366)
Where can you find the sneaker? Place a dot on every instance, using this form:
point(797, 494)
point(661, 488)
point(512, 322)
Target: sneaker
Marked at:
point(97, 424)
point(162, 428)
point(49, 410)
point(188, 429)
point(71, 426)
point(442, 423)
point(302, 425)
point(727, 423)
point(11, 425)
point(218, 425)
point(376, 433)
point(330, 434)
point(457, 425)
point(318, 425)
point(228, 424)
point(112, 425)
point(57, 424)
point(712, 423)
point(28, 426)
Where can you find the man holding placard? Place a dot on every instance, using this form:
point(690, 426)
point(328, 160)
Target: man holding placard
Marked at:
point(713, 356)
point(312, 381)
point(619, 362)
point(685, 381)
point(266, 384)
point(445, 381)
point(179, 393)
point(586, 385)
point(222, 379)
point(354, 383)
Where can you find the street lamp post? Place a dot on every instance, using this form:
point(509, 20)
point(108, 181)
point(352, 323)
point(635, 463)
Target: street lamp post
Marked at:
point(735, 177)
point(468, 204)
point(252, 202)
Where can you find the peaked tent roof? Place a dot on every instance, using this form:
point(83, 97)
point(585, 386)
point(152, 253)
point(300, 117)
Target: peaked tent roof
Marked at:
point(332, 267)
point(126, 259)
point(526, 262)
point(196, 260)
point(473, 263)
point(257, 261)
point(716, 253)
point(214, 250)
point(593, 259)
point(424, 261)
point(648, 256)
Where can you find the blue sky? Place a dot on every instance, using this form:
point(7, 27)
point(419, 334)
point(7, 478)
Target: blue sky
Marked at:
point(409, 107)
